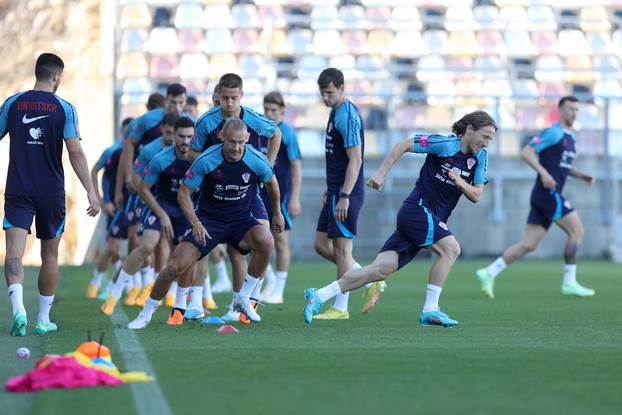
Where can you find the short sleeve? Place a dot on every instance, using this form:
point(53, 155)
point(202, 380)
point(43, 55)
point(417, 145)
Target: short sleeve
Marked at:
point(546, 138)
point(480, 176)
point(195, 174)
point(103, 159)
point(290, 139)
point(4, 118)
point(152, 172)
point(348, 123)
point(200, 136)
point(436, 144)
point(137, 130)
point(71, 128)
point(259, 123)
point(258, 163)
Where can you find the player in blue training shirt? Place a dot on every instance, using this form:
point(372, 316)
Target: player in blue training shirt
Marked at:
point(38, 123)
point(454, 165)
point(264, 137)
point(115, 218)
point(345, 187)
point(163, 218)
point(227, 175)
point(551, 155)
point(288, 172)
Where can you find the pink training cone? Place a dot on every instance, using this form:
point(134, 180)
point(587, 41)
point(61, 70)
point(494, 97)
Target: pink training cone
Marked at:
point(228, 329)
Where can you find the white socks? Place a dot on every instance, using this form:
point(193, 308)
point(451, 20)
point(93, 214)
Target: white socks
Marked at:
point(150, 306)
point(181, 299)
point(247, 288)
point(496, 267)
point(257, 290)
point(330, 291)
point(207, 288)
point(270, 276)
point(173, 289)
point(16, 295)
point(341, 301)
point(97, 278)
point(45, 304)
point(122, 281)
point(147, 275)
point(222, 275)
point(137, 280)
point(570, 274)
point(196, 295)
point(279, 285)
point(431, 298)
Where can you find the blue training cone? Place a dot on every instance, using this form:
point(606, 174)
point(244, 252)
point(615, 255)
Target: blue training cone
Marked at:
point(212, 320)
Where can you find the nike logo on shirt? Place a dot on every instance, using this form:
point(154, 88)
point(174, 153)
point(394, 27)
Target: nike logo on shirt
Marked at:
point(27, 120)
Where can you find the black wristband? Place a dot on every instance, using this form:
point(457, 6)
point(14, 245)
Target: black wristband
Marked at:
point(344, 195)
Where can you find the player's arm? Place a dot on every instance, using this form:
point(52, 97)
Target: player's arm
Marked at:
point(588, 178)
point(125, 169)
point(149, 199)
point(377, 180)
point(94, 179)
point(278, 222)
point(293, 206)
point(274, 143)
point(81, 168)
point(531, 158)
point(473, 192)
point(355, 161)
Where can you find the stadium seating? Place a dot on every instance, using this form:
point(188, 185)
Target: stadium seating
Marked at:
point(399, 53)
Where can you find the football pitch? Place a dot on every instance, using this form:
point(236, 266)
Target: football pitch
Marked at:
point(528, 351)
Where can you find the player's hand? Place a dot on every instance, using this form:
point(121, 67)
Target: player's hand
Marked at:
point(548, 181)
point(589, 179)
point(341, 210)
point(455, 177)
point(109, 208)
point(278, 222)
point(376, 182)
point(166, 227)
point(293, 208)
point(200, 234)
point(94, 207)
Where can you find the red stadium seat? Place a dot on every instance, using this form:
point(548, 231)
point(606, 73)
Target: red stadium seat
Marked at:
point(164, 66)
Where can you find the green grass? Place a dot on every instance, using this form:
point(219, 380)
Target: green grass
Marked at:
point(528, 351)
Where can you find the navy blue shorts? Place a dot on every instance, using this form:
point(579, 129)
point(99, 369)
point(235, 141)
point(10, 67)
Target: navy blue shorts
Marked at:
point(258, 210)
point(229, 232)
point(289, 223)
point(134, 209)
point(48, 212)
point(118, 225)
point(547, 208)
point(335, 229)
point(179, 222)
point(417, 228)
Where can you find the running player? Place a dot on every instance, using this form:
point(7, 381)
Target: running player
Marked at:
point(264, 137)
point(345, 187)
point(227, 175)
point(38, 122)
point(455, 165)
point(108, 162)
point(551, 155)
point(288, 172)
point(165, 169)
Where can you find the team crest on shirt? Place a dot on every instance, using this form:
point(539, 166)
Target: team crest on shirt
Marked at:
point(115, 229)
point(470, 163)
point(130, 215)
point(443, 225)
point(330, 127)
point(151, 219)
point(567, 204)
point(246, 177)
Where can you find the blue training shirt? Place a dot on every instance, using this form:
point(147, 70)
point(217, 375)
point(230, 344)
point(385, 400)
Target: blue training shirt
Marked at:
point(288, 151)
point(208, 126)
point(37, 122)
point(146, 155)
point(344, 130)
point(165, 172)
point(109, 161)
point(225, 185)
point(434, 189)
point(147, 128)
point(556, 152)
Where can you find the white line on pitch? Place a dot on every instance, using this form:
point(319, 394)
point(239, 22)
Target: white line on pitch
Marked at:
point(148, 397)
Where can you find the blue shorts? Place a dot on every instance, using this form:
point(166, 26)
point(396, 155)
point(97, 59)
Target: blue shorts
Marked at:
point(48, 212)
point(258, 210)
point(229, 232)
point(268, 204)
point(118, 225)
point(134, 209)
point(547, 208)
point(179, 222)
point(417, 228)
point(335, 229)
